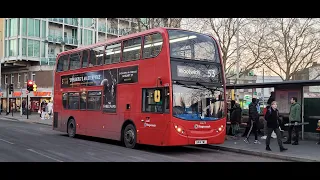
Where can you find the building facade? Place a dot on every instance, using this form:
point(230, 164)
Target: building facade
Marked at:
point(30, 47)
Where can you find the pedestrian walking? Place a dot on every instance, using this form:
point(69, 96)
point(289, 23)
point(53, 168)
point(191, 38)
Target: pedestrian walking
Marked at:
point(294, 117)
point(235, 119)
point(253, 122)
point(272, 117)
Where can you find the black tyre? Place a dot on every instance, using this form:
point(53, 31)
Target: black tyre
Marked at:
point(72, 128)
point(130, 136)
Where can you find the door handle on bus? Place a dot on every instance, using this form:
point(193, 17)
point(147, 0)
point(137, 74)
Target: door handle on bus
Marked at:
point(142, 120)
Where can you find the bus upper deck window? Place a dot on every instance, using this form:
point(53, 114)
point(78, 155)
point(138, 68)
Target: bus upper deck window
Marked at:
point(63, 63)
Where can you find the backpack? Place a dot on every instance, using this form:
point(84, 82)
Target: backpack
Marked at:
point(265, 110)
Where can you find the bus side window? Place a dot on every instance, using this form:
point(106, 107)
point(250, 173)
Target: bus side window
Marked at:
point(75, 60)
point(94, 100)
point(85, 56)
point(64, 100)
point(148, 104)
point(73, 100)
point(152, 45)
point(112, 53)
point(98, 53)
point(83, 100)
point(167, 100)
point(131, 49)
point(93, 58)
point(63, 64)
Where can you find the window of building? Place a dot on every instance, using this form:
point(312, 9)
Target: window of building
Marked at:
point(43, 49)
point(19, 77)
point(152, 45)
point(24, 26)
point(94, 100)
point(75, 60)
point(33, 48)
point(6, 79)
point(7, 24)
point(85, 57)
point(83, 100)
point(24, 47)
point(44, 29)
point(131, 49)
point(33, 27)
point(25, 79)
point(64, 100)
point(13, 47)
point(73, 100)
point(63, 63)
point(112, 53)
point(148, 101)
point(12, 79)
point(33, 77)
point(14, 27)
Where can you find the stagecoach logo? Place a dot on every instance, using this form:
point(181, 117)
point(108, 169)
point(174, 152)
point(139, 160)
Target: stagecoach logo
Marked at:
point(196, 126)
point(149, 125)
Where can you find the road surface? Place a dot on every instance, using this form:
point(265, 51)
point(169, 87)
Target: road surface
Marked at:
point(25, 142)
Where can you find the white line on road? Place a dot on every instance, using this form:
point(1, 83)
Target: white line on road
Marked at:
point(44, 155)
point(6, 141)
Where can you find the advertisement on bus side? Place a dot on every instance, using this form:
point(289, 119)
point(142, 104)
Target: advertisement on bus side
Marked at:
point(109, 83)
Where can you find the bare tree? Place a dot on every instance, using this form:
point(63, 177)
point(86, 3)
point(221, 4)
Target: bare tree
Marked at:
point(149, 23)
point(224, 30)
point(290, 45)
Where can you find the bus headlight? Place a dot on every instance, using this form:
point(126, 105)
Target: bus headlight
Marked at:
point(220, 128)
point(179, 129)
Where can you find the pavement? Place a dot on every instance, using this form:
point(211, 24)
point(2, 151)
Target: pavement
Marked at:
point(33, 118)
point(306, 151)
point(21, 141)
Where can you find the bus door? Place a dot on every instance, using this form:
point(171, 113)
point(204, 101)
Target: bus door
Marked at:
point(155, 115)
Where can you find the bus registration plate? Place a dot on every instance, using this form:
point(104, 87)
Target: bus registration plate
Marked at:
point(200, 142)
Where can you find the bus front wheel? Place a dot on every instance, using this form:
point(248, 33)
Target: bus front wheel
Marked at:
point(72, 128)
point(130, 136)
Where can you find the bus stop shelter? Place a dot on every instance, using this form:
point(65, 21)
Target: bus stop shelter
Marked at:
point(307, 92)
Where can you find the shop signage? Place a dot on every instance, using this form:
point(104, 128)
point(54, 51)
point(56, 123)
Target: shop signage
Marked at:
point(42, 93)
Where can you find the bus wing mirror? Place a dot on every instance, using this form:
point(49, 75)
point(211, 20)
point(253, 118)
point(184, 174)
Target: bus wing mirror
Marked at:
point(157, 96)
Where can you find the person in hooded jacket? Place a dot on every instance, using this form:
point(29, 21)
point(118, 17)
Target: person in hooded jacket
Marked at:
point(253, 122)
point(235, 119)
point(272, 117)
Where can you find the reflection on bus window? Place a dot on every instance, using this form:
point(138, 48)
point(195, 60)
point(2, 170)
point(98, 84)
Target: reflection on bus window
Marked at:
point(191, 45)
point(96, 56)
point(85, 56)
point(83, 100)
point(64, 100)
point(63, 63)
point(73, 100)
point(152, 45)
point(148, 101)
point(197, 103)
point(94, 100)
point(131, 49)
point(75, 60)
point(112, 53)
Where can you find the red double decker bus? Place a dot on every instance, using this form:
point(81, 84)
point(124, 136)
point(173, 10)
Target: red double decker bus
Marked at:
point(162, 87)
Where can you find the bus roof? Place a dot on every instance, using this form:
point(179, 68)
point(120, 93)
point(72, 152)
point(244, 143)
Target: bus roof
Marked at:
point(158, 29)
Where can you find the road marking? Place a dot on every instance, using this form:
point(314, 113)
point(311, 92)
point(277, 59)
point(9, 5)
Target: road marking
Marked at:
point(6, 141)
point(44, 155)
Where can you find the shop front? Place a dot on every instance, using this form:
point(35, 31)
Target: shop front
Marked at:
point(17, 97)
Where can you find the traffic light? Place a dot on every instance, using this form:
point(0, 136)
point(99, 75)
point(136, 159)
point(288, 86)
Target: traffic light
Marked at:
point(30, 85)
point(10, 88)
point(34, 87)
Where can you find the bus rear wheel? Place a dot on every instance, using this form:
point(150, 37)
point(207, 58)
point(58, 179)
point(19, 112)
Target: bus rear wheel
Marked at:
point(72, 128)
point(130, 136)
